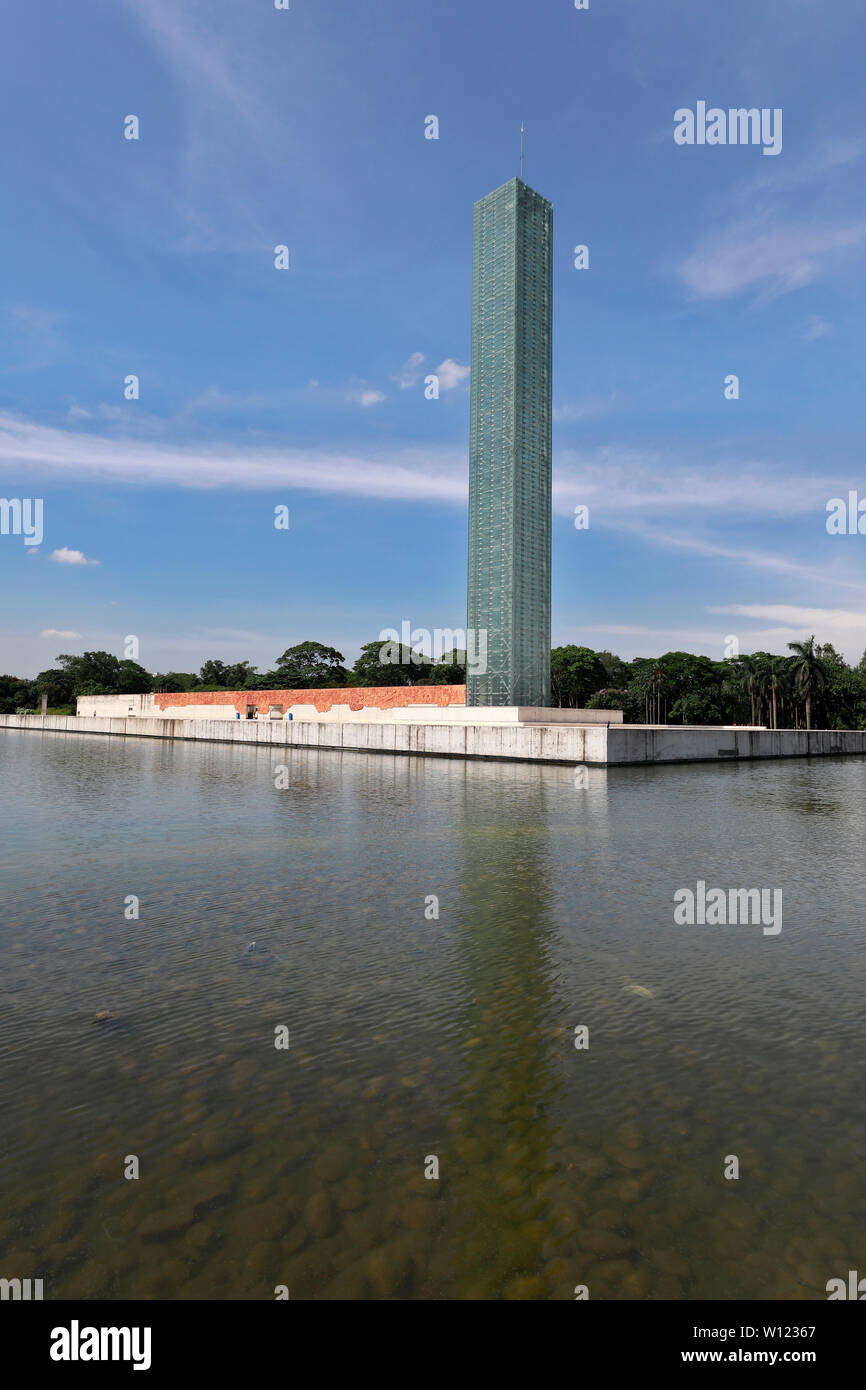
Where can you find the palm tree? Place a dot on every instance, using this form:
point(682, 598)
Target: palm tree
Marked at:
point(730, 689)
point(749, 673)
point(656, 685)
point(810, 672)
point(774, 679)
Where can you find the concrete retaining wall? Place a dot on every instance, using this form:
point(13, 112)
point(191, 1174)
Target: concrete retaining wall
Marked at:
point(566, 743)
point(634, 743)
point(539, 743)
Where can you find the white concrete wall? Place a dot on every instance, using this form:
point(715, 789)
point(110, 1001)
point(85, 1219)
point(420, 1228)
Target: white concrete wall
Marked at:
point(553, 715)
point(638, 744)
point(540, 743)
point(114, 706)
point(564, 743)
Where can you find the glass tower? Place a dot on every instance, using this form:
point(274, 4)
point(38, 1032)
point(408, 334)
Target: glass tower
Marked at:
point(510, 447)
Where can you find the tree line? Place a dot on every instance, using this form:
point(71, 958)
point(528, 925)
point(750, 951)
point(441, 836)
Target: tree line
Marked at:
point(813, 687)
point(307, 666)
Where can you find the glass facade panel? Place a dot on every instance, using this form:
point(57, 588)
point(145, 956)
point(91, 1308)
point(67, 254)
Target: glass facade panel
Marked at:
point(510, 446)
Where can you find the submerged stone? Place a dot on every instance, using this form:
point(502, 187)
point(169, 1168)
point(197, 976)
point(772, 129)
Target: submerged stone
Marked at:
point(319, 1215)
point(167, 1222)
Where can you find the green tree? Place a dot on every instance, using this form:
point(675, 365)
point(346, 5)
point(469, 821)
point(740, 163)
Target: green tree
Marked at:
point(810, 672)
point(647, 686)
point(450, 669)
point(390, 663)
point(616, 670)
point(132, 679)
point(261, 680)
point(576, 674)
point(608, 699)
point(843, 692)
point(733, 701)
point(692, 688)
point(58, 684)
point(310, 666)
point(213, 675)
point(656, 688)
point(749, 671)
point(217, 675)
point(175, 680)
point(93, 673)
point(774, 684)
point(17, 693)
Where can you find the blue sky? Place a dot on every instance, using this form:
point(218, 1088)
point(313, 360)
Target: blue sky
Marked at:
point(305, 387)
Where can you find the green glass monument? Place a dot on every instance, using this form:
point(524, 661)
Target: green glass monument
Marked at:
point(510, 447)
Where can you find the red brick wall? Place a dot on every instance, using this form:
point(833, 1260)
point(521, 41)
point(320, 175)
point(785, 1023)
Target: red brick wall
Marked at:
point(356, 697)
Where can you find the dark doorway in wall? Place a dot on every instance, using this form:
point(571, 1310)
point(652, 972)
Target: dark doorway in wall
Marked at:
point(251, 711)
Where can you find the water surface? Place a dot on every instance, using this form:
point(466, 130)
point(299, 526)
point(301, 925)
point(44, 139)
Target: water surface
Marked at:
point(413, 1038)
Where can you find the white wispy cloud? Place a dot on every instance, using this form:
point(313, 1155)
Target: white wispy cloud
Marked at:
point(411, 473)
point(797, 615)
point(59, 632)
point(816, 328)
point(214, 400)
point(627, 491)
point(589, 408)
point(410, 372)
point(232, 99)
point(194, 46)
point(620, 483)
point(774, 563)
point(844, 627)
point(65, 556)
point(816, 165)
point(769, 257)
point(764, 627)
